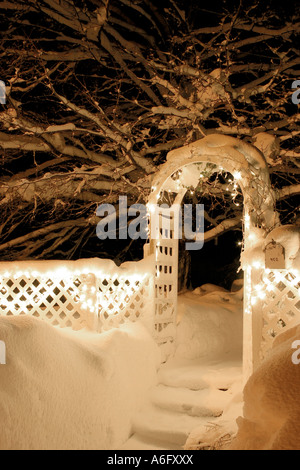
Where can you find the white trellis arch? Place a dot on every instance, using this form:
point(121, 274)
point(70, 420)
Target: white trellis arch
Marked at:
point(248, 166)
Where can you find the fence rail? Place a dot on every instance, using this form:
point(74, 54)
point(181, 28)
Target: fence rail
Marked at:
point(93, 294)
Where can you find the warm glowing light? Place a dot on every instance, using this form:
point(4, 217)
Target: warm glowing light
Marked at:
point(247, 221)
point(151, 208)
point(261, 295)
point(256, 265)
point(278, 276)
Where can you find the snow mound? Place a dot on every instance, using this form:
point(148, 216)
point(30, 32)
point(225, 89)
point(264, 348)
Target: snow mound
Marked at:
point(209, 324)
point(237, 285)
point(207, 288)
point(271, 416)
point(67, 390)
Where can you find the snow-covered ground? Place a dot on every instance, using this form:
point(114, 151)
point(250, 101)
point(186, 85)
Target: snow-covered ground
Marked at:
point(62, 389)
point(80, 390)
point(202, 381)
point(210, 323)
point(265, 415)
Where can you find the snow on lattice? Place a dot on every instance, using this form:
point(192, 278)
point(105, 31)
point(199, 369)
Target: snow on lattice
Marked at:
point(124, 298)
point(289, 237)
point(286, 235)
point(49, 298)
point(94, 294)
point(281, 304)
point(274, 294)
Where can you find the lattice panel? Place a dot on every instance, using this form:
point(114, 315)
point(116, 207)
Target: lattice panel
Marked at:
point(166, 280)
point(281, 304)
point(122, 299)
point(52, 299)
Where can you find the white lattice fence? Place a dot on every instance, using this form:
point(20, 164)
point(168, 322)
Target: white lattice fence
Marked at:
point(280, 293)
point(124, 298)
point(92, 294)
point(52, 297)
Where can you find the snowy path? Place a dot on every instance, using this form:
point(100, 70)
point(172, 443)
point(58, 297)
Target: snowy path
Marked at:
point(190, 394)
point(194, 387)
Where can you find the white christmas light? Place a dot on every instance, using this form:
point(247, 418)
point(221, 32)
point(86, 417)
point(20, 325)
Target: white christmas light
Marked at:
point(247, 221)
point(237, 175)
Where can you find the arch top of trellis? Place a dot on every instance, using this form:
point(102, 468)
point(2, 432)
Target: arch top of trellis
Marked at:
point(244, 161)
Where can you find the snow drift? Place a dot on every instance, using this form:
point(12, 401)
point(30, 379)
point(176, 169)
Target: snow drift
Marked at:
point(271, 401)
point(210, 323)
point(62, 389)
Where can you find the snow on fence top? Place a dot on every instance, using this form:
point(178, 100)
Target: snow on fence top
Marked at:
point(288, 236)
point(91, 293)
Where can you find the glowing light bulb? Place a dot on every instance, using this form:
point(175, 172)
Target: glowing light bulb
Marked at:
point(256, 264)
point(237, 175)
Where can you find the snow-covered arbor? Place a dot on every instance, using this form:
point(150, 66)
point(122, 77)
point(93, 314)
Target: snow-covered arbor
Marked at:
point(247, 165)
